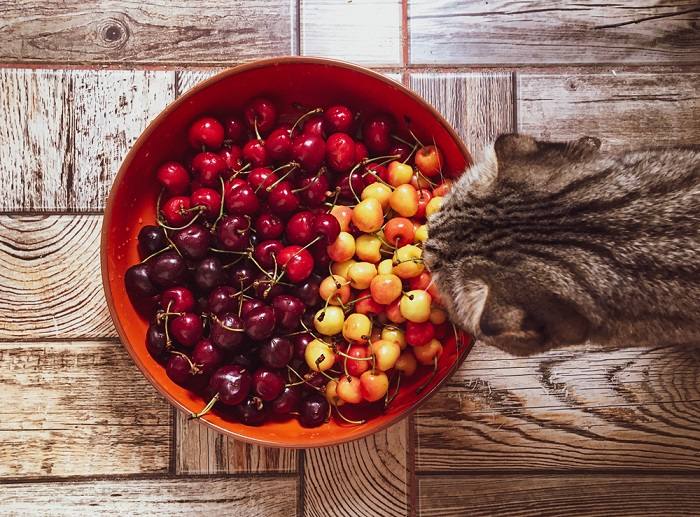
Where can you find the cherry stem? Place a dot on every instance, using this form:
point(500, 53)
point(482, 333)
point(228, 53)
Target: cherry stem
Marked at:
point(206, 409)
point(267, 274)
point(242, 169)
point(255, 127)
point(221, 208)
point(177, 228)
point(305, 187)
point(274, 276)
point(303, 117)
point(458, 338)
point(168, 341)
point(327, 376)
point(380, 180)
point(294, 384)
point(414, 260)
point(358, 299)
point(411, 153)
point(193, 367)
point(408, 295)
point(349, 421)
point(231, 329)
point(226, 266)
point(425, 178)
point(335, 200)
point(430, 378)
point(215, 250)
point(416, 138)
point(302, 378)
point(388, 400)
point(352, 189)
point(396, 137)
point(168, 247)
point(343, 354)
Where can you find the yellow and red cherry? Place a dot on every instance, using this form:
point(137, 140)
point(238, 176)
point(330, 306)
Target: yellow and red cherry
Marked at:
point(329, 320)
point(343, 248)
point(385, 267)
point(331, 394)
point(427, 353)
point(206, 132)
point(335, 290)
point(391, 333)
point(399, 173)
point(378, 191)
point(385, 353)
point(443, 188)
point(393, 312)
point(385, 288)
point(349, 389)
point(420, 182)
point(421, 233)
point(344, 215)
point(429, 160)
point(374, 385)
point(437, 316)
point(406, 363)
point(341, 268)
point(367, 248)
point(368, 216)
point(433, 205)
point(408, 261)
point(361, 274)
point(399, 232)
point(415, 306)
point(358, 361)
point(357, 328)
point(366, 305)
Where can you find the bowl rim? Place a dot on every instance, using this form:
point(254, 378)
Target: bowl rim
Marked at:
point(107, 218)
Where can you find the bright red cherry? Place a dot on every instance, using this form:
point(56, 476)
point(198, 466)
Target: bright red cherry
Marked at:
point(177, 299)
point(186, 329)
point(242, 200)
point(234, 129)
point(309, 151)
point(264, 251)
point(254, 152)
point(340, 152)
point(208, 198)
point(338, 119)
point(313, 126)
point(176, 211)
point(174, 177)
point(297, 262)
point(424, 197)
point(232, 157)
point(207, 167)
point(261, 113)
point(327, 227)
point(260, 179)
point(376, 133)
point(206, 132)
point(312, 190)
point(269, 226)
point(282, 199)
point(360, 152)
point(419, 334)
point(278, 145)
point(300, 228)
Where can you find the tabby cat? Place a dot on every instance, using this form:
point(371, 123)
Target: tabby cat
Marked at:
point(545, 244)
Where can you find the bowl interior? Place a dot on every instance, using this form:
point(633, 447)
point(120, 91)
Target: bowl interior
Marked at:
point(309, 82)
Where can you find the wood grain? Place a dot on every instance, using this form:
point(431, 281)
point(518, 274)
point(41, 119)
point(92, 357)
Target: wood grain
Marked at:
point(50, 281)
point(254, 497)
point(129, 31)
point(547, 495)
point(201, 450)
point(478, 105)
point(363, 31)
point(366, 477)
point(553, 31)
point(187, 79)
point(624, 110)
point(78, 408)
point(584, 408)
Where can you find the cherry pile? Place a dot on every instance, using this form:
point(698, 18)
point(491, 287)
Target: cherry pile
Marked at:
point(284, 275)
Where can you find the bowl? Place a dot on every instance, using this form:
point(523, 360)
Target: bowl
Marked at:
point(310, 82)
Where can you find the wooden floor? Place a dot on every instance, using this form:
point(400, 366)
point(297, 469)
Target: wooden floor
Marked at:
point(577, 432)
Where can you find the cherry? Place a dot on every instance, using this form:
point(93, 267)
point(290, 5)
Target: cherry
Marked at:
point(260, 323)
point(232, 233)
point(358, 365)
point(299, 228)
point(424, 197)
point(279, 145)
point(243, 274)
point(254, 152)
point(156, 342)
point(174, 178)
point(358, 185)
point(376, 133)
point(266, 289)
point(309, 151)
point(176, 211)
point(282, 199)
point(233, 158)
point(327, 227)
point(206, 356)
point(297, 263)
point(288, 311)
point(209, 273)
point(288, 401)
point(179, 370)
point(232, 382)
point(250, 304)
point(245, 359)
point(267, 384)
point(241, 199)
point(193, 241)
point(401, 150)
point(167, 269)
point(374, 170)
point(360, 152)
point(340, 152)
point(268, 226)
point(151, 240)
point(252, 411)
point(177, 299)
point(338, 119)
point(264, 252)
point(308, 291)
point(313, 410)
point(208, 198)
point(207, 167)
point(227, 331)
point(276, 352)
point(322, 261)
point(260, 179)
point(206, 132)
point(300, 343)
point(223, 300)
point(234, 128)
point(186, 329)
point(138, 281)
point(260, 113)
point(313, 126)
point(312, 190)
point(419, 334)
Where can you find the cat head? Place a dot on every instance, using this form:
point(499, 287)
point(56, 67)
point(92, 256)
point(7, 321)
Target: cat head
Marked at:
point(509, 299)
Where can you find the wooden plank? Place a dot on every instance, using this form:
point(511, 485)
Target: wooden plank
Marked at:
point(78, 408)
point(553, 31)
point(187, 79)
point(363, 31)
point(361, 478)
point(478, 105)
point(577, 409)
point(624, 110)
point(551, 495)
point(201, 450)
point(242, 497)
point(50, 281)
point(144, 32)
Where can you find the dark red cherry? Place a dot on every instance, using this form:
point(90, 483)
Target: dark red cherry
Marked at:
point(207, 167)
point(297, 263)
point(276, 352)
point(232, 382)
point(232, 233)
point(252, 411)
point(401, 150)
point(300, 228)
point(360, 152)
point(313, 410)
point(260, 323)
point(209, 274)
point(179, 370)
point(234, 129)
point(327, 227)
point(340, 152)
point(266, 289)
point(209, 199)
point(206, 132)
point(233, 158)
point(307, 291)
point(193, 241)
point(313, 190)
point(167, 269)
point(314, 379)
point(186, 329)
point(176, 211)
point(282, 199)
point(241, 200)
point(347, 189)
point(254, 152)
point(338, 119)
point(261, 113)
point(138, 281)
point(376, 133)
point(206, 357)
point(309, 151)
point(313, 126)
point(264, 252)
point(223, 299)
point(226, 331)
point(249, 304)
point(268, 226)
point(268, 384)
point(151, 240)
point(288, 401)
point(319, 251)
point(301, 341)
point(174, 178)
point(373, 172)
point(279, 145)
point(247, 360)
point(177, 299)
point(260, 179)
point(156, 342)
point(288, 311)
point(243, 274)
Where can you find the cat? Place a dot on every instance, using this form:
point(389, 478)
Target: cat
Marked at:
point(547, 244)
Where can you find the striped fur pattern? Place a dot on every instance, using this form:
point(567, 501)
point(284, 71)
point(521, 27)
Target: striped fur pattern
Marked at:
point(544, 244)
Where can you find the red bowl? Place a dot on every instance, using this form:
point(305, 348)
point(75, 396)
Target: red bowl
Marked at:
point(311, 82)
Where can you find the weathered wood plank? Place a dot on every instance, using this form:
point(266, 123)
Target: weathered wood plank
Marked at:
point(244, 497)
point(187, 79)
point(478, 105)
point(625, 110)
point(553, 31)
point(548, 495)
point(78, 408)
point(50, 281)
point(362, 478)
point(363, 31)
point(201, 450)
point(633, 408)
point(144, 32)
